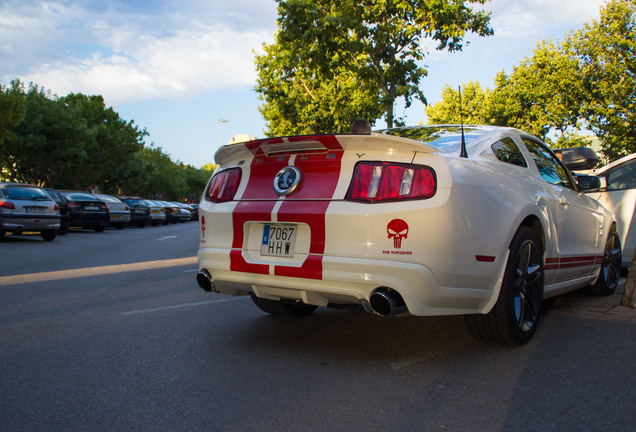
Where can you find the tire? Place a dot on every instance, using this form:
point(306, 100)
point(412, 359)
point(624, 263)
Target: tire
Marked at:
point(49, 235)
point(154, 223)
point(610, 268)
point(141, 225)
point(99, 228)
point(515, 316)
point(119, 226)
point(280, 308)
point(63, 230)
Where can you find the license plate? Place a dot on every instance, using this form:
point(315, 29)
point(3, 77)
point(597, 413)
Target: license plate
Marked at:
point(91, 208)
point(35, 209)
point(115, 217)
point(278, 240)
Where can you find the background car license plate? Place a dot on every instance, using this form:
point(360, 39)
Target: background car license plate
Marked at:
point(35, 209)
point(91, 208)
point(278, 240)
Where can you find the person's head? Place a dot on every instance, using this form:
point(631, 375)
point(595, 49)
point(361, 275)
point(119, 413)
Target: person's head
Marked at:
point(361, 126)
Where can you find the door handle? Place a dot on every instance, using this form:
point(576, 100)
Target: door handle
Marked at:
point(563, 201)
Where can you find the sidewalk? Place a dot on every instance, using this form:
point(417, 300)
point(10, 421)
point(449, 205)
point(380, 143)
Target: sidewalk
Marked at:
point(580, 305)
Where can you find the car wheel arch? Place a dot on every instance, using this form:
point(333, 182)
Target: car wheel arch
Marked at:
point(534, 223)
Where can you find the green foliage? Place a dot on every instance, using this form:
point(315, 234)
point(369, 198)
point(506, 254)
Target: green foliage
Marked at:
point(75, 142)
point(337, 60)
point(542, 94)
point(12, 110)
point(607, 53)
point(46, 142)
point(586, 82)
point(475, 104)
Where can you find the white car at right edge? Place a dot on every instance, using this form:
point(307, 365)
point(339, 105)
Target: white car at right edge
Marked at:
point(479, 221)
point(618, 194)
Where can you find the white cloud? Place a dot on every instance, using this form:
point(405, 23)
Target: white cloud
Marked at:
point(521, 18)
point(128, 56)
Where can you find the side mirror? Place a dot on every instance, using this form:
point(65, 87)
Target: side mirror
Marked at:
point(589, 183)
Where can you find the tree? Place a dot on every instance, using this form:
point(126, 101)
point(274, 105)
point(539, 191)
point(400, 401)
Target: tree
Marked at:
point(299, 101)
point(111, 140)
point(474, 106)
point(74, 142)
point(587, 82)
point(46, 142)
point(606, 50)
point(354, 58)
point(12, 111)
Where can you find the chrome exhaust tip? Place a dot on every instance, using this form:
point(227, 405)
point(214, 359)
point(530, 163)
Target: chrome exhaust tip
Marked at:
point(205, 281)
point(386, 302)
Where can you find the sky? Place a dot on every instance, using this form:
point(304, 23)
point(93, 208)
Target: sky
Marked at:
point(184, 69)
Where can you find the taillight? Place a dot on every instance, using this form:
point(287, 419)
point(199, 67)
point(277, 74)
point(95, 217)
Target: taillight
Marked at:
point(56, 208)
point(7, 205)
point(383, 181)
point(224, 185)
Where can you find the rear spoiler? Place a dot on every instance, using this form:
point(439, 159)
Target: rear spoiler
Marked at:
point(359, 143)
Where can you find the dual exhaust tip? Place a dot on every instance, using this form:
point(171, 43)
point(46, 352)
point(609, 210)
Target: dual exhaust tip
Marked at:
point(205, 281)
point(384, 301)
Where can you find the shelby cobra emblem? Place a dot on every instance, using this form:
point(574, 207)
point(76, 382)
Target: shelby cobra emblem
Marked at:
point(287, 180)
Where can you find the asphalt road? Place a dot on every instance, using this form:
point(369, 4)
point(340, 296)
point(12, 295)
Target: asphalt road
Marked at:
point(109, 332)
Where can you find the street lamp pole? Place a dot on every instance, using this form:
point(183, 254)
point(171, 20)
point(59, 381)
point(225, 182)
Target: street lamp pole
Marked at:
point(223, 121)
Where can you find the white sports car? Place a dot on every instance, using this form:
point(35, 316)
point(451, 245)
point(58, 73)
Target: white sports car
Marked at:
point(434, 220)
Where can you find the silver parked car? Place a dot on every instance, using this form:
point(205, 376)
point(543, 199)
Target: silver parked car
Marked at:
point(185, 213)
point(25, 207)
point(157, 213)
point(118, 211)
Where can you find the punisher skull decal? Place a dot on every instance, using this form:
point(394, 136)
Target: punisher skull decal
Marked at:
point(397, 229)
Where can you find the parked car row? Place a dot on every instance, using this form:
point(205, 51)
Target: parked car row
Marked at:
point(26, 207)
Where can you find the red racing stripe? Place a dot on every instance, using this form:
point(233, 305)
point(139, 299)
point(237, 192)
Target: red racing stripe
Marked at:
point(572, 262)
point(307, 205)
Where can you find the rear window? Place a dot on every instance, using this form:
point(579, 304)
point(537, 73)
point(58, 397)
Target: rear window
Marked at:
point(447, 139)
point(79, 196)
point(108, 198)
point(25, 193)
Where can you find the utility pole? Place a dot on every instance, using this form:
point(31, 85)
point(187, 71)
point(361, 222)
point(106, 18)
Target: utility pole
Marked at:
point(223, 121)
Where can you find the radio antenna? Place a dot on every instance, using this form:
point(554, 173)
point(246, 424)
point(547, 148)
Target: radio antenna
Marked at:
point(463, 153)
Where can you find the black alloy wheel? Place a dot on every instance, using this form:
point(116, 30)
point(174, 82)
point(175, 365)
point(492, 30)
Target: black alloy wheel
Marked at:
point(610, 268)
point(515, 316)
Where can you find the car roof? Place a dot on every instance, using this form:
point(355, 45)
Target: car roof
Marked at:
point(78, 194)
point(617, 162)
point(108, 198)
point(17, 184)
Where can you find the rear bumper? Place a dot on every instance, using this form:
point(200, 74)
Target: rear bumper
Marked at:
point(348, 280)
point(29, 223)
point(89, 219)
point(119, 217)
